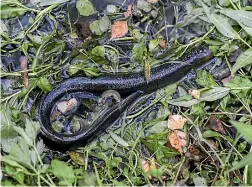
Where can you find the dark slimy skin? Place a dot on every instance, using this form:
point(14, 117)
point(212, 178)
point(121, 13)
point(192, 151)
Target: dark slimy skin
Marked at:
point(132, 84)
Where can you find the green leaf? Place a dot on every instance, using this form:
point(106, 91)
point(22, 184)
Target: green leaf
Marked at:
point(153, 44)
point(214, 94)
point(247, 160)
point(243, 60)
point(244, 129)
point(50, 2)
point(85, 8)
point(118, 139)
point(221, 23)
point(241, 16)
point(20, 153)
point(139, 51)
point(248, 30)
point(112, 9)
point(11, 12)
point(212, 134)
point(13, 163)
point(249, 175)
point(205, 79)
point(95, 27)
point(177, 102)
point(63, 172)
point(104, 23)
point(98, 51)
point(8, 134)
point(199, 181)
point(143, 5)
point(44, 84)
point(17, 175)
point(224, 2)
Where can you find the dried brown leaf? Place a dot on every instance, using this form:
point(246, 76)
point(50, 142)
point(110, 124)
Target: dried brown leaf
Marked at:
point(176, 122)
point(162, 44)
point(227, 79)
point(129, 11)
point(24, 63)
point(177, 140)
point(215, 124)
point(65, 106)
point(194, 93)
point(119, 29)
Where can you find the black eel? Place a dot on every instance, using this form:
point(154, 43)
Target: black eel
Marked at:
point(133, 84)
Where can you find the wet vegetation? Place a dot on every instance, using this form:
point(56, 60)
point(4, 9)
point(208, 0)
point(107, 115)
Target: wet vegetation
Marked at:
point(196, 131)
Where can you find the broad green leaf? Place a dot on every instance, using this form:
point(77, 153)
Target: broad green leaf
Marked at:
point(189, 103)
point(205, 79)
point(50, 2)
point(248, 30)
point(104, 23)
point(95, 28)
point(40, 147)
point(17, 175)
point(244, 129)
point(119, 140)
point(153, 44)
point(199, 181)
point(243, 60)
point(20, 153)
point(44, 84)
point(13, 163)
point(224, 2)
point(249, 175)
point(247, 160)
point(143, 5)
point(139, 51)
point(11, 12)
point(214, 94)
point(8, 133)
point(85, 8)
point(63, 172)
point(112, 9)
point(241, 16)
point(98, 51)
point(221, 23)
point(24, 135)
point(212, 134)
point(240, 82)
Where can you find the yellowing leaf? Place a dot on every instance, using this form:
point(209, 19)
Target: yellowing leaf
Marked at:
point(76, 157)
point(147, 69)
point(119, 29)
point(177, 140)
point(176, 122)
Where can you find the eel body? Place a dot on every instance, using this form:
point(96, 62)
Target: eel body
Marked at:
point(133, 84)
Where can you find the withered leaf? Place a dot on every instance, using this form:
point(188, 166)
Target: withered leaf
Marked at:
point(119, 29)
point(215, 124)
point(177, 140)
point(176, 122)
point(24, 63)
